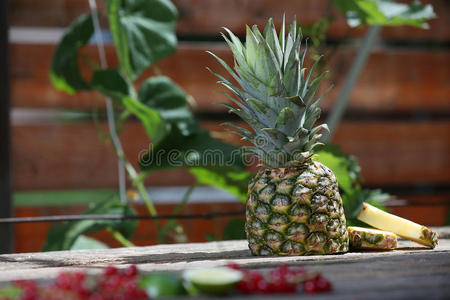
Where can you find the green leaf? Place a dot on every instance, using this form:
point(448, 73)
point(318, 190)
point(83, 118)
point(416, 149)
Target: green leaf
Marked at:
point(112, 84)
point(235, 230)
point(143, 32)
point(64, 72)
point(62, 236)
point(344, 166)
point(211, 161)
point(85, 242)
point(199, 149)
point(354, 199)
point(229, 179)
point(163, 95)
point(385, 13)
point(187, 145)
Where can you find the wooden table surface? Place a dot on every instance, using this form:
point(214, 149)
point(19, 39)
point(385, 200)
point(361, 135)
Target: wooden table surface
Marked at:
point(410, 272)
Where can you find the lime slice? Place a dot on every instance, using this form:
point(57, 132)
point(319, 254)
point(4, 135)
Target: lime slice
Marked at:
point(213, 281)
point(162, 285)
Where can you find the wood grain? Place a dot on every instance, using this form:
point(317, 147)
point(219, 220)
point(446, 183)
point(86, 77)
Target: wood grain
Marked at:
point(409, 272)
point(68, 156)
point(207, 17)
point(394, 80)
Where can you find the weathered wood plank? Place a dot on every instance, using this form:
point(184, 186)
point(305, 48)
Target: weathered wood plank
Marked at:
point(394, 80)
point(207, 17)
point(72, 155)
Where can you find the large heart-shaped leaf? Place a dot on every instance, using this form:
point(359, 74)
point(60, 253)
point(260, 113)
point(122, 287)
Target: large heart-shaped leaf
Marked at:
point(112, 84)
point(230, 179)
point(143, 32)
point(211, 161)
point(63, 236)
point(385, 12)
point(64, 72)
point(163, 95)
point(199, 149)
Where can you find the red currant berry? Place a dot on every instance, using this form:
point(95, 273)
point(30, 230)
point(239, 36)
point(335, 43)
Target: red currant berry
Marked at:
point(264, 287)
point(131, 271)
point(233, 266)
point(247, 287)
point(310, 287)
point(255, 277)
point(323, 285)
point(110, 270)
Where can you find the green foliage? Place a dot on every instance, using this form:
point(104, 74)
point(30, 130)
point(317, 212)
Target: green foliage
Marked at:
point(64, 72)
point(112, 84)
point(211, 161)
point(85, 242)
point(63, 236)
point(143, 32)
point(234, 230)
point(385, 12)
point(354, 200)
point(232, 180)
point(344, 166)
point(170, 101)
point(347, 172)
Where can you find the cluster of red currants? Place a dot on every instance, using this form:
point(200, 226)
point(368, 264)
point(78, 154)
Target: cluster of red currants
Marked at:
point(281, 280)
point(113, 284)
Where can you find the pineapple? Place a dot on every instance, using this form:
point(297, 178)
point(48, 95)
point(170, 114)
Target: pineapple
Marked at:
point(293, 205)
point(402, 227)
point(368, 238)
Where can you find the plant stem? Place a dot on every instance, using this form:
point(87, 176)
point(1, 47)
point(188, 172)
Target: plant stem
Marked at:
point(120, 238)
point(122, 160)
point(148, 202)
point(109, 107)
point(340, 106)
point(171, 223)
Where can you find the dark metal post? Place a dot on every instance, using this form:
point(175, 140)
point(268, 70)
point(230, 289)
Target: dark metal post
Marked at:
point(6, 232)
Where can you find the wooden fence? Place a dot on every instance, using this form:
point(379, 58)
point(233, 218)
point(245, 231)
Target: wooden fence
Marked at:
point(397, 124)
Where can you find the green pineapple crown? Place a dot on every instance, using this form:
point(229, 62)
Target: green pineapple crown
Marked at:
point(275, 96)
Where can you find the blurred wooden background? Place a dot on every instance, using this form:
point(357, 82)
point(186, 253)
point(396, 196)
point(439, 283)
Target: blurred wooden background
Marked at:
point(397, 124)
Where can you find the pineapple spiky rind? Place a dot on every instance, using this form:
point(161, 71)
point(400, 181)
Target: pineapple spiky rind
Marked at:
point(293, 205)
point(294, 213)
point(368, 238)
point(402, 227)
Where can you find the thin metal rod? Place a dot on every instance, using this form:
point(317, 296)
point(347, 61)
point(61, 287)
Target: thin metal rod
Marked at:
point(339, 108)
point(6, 231)
point(109, 107)
point(62, 218)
